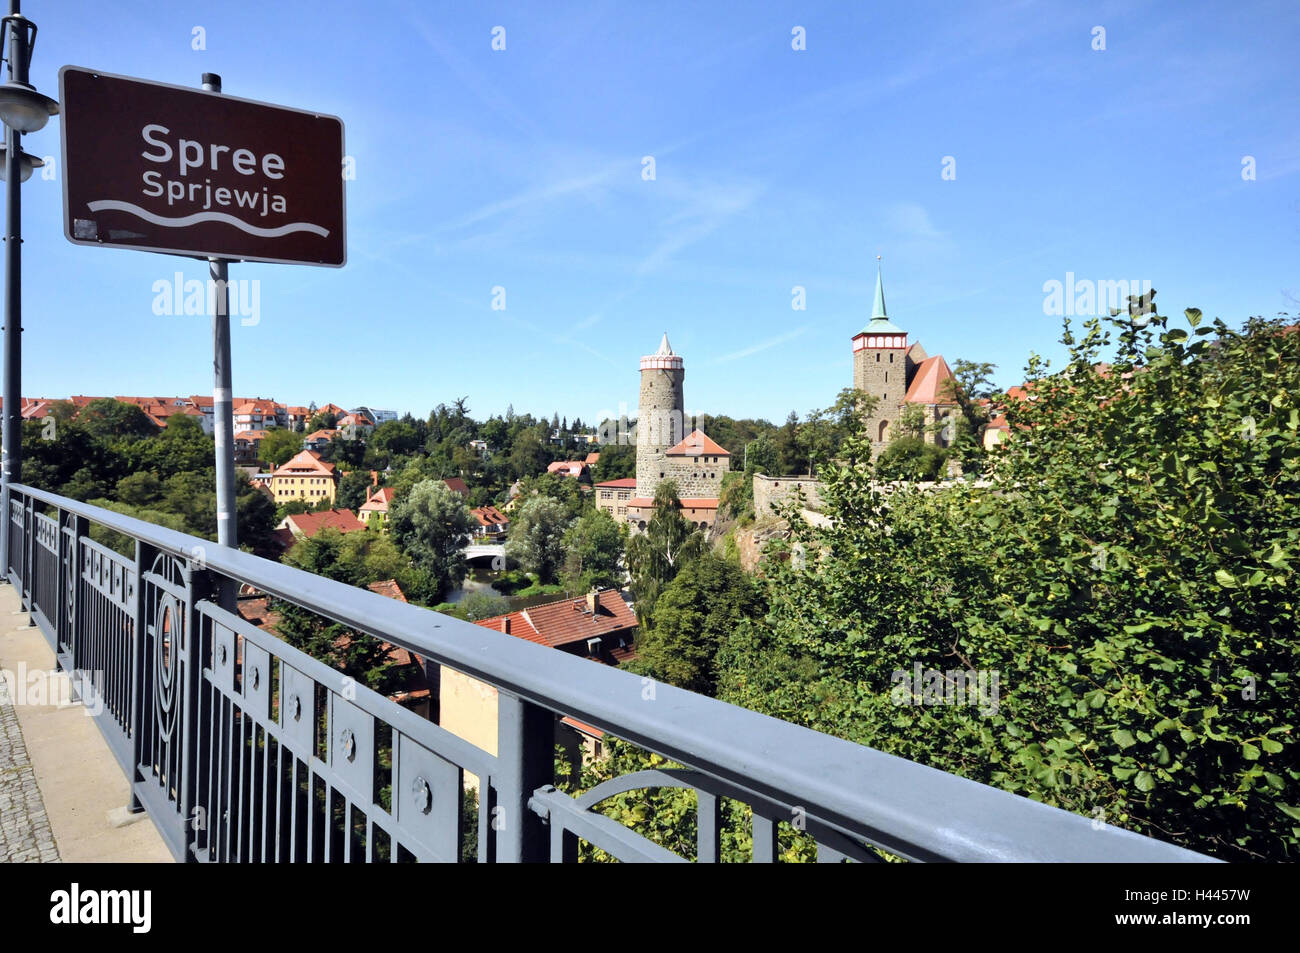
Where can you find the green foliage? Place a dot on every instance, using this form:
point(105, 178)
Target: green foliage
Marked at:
point(1130, 578)
point(910, 458)
point(139, 489)
point(483, 605)
point(355, 654)
point(279, 446)
point(431, 524)
point(617, 462)
point(353, 490)
point(693, 617)
point(358, 559)
point(535, 539)
point(655, 557)
point(668, 816)
point(593, 549)
point(106, 419)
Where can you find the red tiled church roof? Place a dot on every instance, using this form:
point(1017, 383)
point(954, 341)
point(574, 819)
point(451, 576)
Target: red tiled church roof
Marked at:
point(929, 383)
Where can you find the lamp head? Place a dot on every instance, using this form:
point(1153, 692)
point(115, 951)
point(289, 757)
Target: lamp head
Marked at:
point(29, 164)
point(23, 109)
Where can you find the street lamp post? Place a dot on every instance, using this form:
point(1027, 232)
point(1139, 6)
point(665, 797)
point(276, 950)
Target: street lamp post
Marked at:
point(22, 109)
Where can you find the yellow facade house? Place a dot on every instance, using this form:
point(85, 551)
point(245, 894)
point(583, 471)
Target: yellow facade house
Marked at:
point(305, 477)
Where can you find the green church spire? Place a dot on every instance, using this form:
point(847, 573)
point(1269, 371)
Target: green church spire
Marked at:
point(880, 323)
point(878, 308)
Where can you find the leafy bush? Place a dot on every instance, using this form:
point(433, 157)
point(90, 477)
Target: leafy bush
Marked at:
point(1130, 578)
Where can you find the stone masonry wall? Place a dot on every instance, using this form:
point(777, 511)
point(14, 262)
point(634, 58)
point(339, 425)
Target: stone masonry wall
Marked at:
point(769, 491)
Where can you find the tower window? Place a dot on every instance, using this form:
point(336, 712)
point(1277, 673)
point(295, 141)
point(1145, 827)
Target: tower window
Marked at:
point(877, 357)
point(887, 373)
point(891, 358)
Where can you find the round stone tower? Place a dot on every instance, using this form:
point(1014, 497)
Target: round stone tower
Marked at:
point(660, 416)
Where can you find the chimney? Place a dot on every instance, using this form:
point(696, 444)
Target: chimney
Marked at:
point(374, 478)
point(593, 600)
point(505, 624)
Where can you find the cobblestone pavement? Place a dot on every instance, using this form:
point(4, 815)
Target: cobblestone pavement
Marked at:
point(24, 829)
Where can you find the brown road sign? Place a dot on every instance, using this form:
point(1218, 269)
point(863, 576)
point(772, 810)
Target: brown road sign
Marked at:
point(183, 171)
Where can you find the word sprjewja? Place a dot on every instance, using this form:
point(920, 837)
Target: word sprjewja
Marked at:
point(213, 157)
point(176, 296)
point(133, 907)
point(979, 688)
point(37, 687)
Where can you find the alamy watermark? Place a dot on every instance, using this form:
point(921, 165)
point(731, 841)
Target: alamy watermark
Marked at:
point(176, 296)
point(1092, 299)
point(979, 688)
point(39, 688)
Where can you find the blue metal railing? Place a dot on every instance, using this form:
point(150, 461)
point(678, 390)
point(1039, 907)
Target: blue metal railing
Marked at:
point(243, 748)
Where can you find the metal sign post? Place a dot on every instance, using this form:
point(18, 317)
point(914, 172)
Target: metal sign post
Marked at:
point(223, 405)
point(154, 167)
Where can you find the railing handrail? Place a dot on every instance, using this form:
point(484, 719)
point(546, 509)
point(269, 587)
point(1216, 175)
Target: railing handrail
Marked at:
point(937, 815)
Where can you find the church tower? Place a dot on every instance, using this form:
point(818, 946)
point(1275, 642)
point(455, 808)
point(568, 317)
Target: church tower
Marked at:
point(660, 417)
point(881, 367)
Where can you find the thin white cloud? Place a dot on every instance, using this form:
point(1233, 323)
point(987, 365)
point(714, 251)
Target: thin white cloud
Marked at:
point(762, 346)
point(912, 221)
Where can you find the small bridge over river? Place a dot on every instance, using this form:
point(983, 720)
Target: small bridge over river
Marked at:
point(486, 555)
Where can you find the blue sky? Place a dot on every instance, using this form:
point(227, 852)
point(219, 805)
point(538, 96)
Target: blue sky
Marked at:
point(774, 168)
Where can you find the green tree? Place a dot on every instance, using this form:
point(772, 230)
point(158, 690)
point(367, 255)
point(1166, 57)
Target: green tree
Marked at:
point(593, 547)
point(1130, 579)
point(139, 489)
point(106, 419)
point(432, 524)
point(535, 539)
point(617, 462)
point(279, 446)
point(484, 605)
point(693, 617)
point(910, 458)
point(655, 557)
point(353, 490)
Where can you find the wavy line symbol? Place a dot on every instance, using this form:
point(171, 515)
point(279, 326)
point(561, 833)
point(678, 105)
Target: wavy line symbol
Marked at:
point(113, 205)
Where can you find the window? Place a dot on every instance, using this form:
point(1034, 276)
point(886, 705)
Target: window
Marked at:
point(891, 358)
point(877, 357)
point(887, 373)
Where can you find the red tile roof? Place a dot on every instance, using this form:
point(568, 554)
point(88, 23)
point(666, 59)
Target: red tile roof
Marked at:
point(627, 484)
point(929, 383)
point(562, 623)
point(305, 462)
point(379, 501)
point(255, 406)
point(593, 458)
point(696, 503)
point(309, 524)
point(457, 485)
point(389, 588)
point(698, 444)
point(489, 516)
point(568, 467)
point(326, 435)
